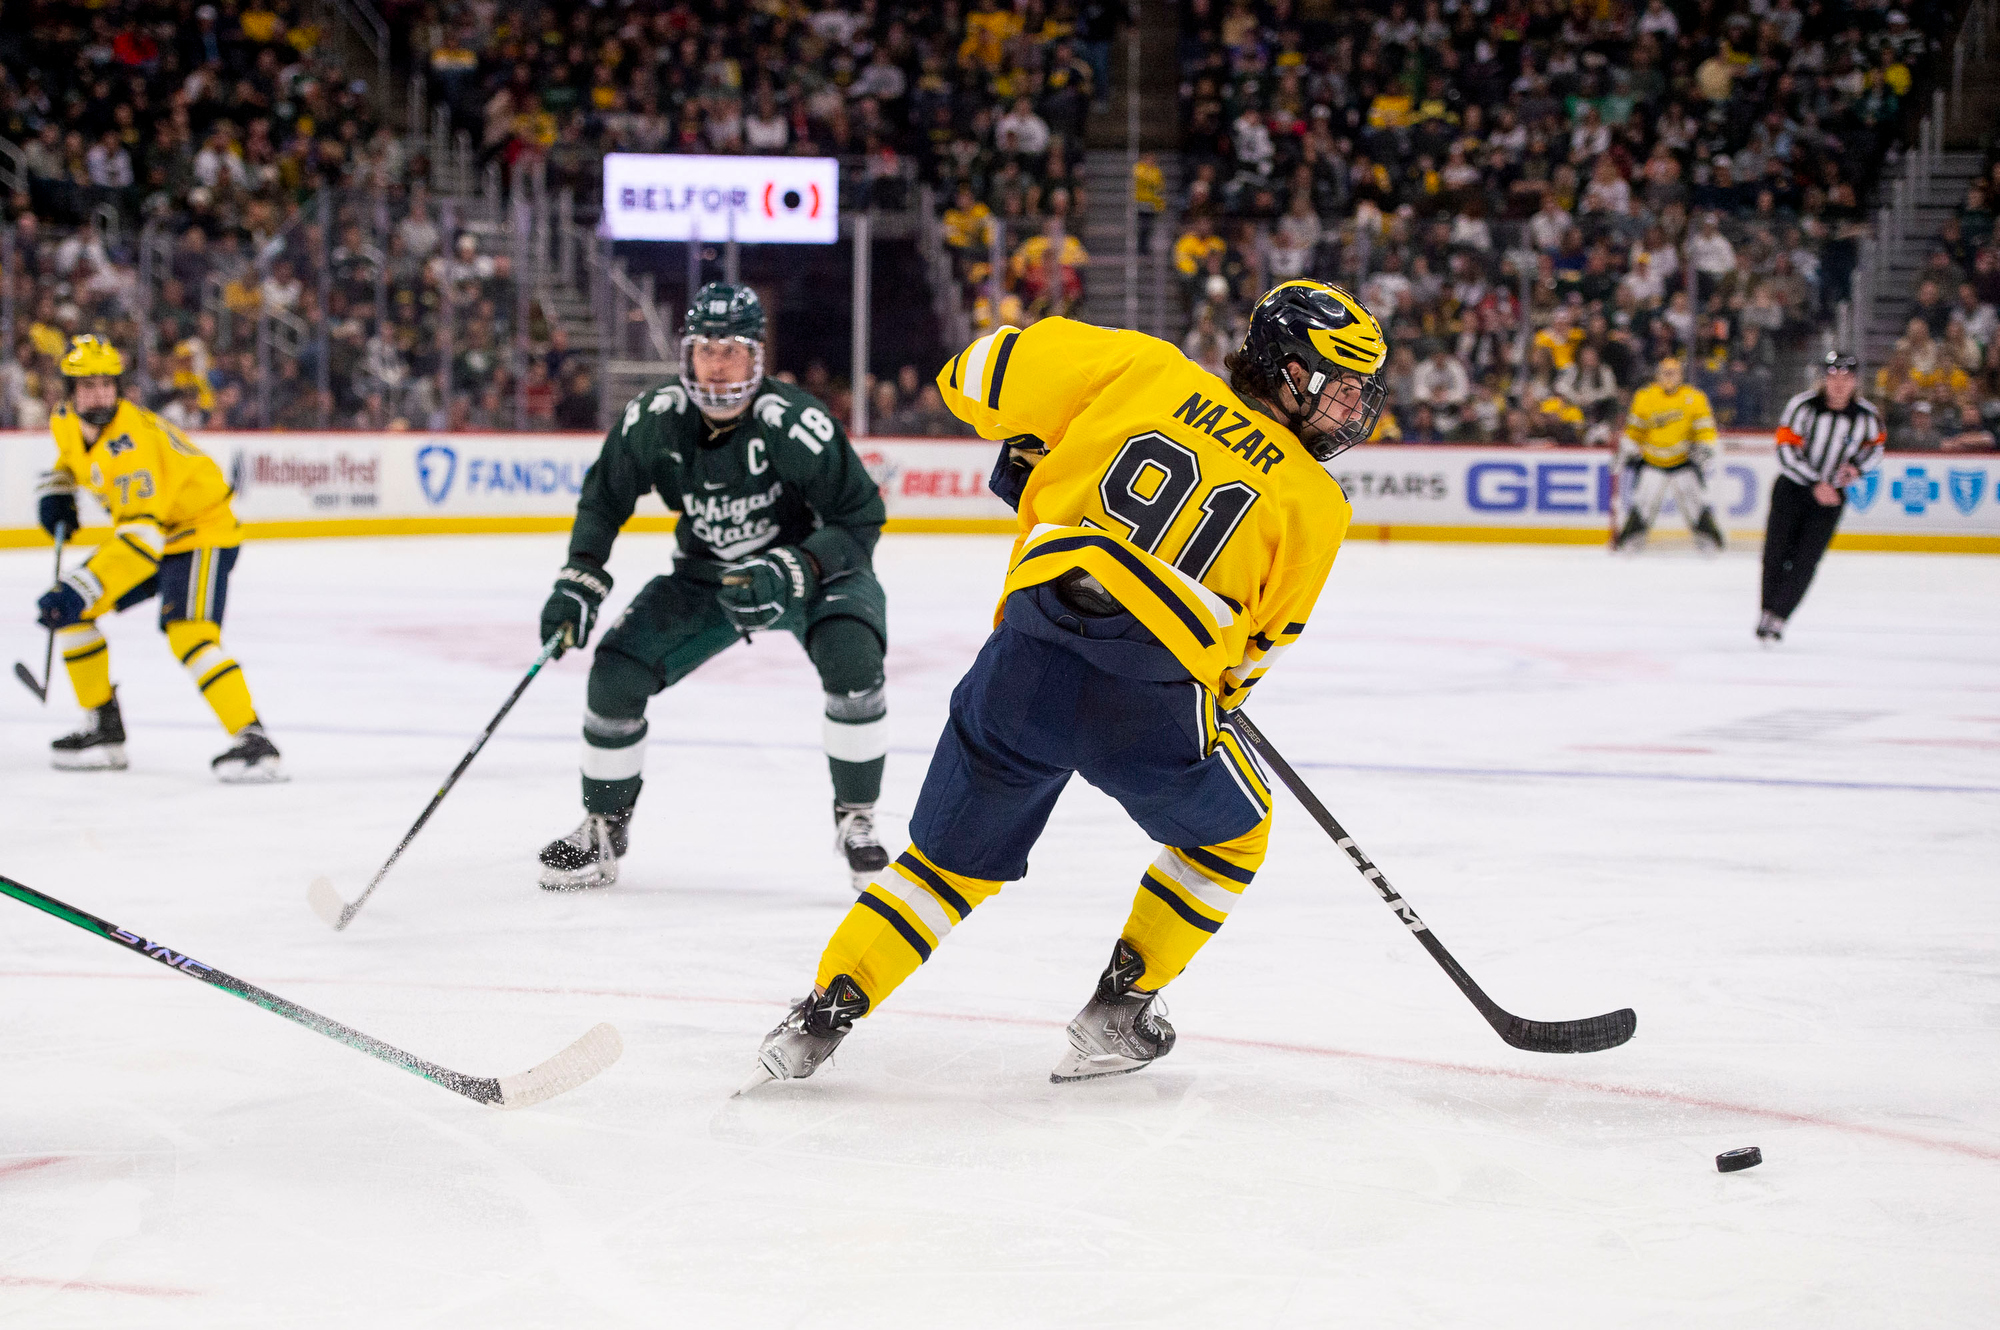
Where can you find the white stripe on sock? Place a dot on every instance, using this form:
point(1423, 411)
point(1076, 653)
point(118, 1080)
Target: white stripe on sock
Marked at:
point(857, 743)
point(614, 763)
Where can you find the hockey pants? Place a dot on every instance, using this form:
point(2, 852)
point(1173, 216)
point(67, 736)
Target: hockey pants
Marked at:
point(674, 625)
point(1028, 715)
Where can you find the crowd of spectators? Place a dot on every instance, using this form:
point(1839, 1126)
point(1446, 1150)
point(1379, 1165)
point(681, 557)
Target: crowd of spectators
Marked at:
point(206, 133)
point(1940, 386)
point(1542, 199)
point(220, 124)
point(987, 104)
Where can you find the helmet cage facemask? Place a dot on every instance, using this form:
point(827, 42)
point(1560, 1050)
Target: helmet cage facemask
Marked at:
point(1323, 444)
point(721, 398)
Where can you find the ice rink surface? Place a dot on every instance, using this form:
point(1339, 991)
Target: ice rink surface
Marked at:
point(1582, 772)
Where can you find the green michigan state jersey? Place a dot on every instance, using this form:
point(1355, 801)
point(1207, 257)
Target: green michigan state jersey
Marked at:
point(782, 473)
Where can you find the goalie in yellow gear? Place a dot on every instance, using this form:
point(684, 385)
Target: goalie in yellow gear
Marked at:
point(173, 536)
point(1668, 447)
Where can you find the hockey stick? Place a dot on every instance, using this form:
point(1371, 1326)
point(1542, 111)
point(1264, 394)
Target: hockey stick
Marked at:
point(1592, 1034)
point(41, 690)
point(598, 1048)
point(326, 902)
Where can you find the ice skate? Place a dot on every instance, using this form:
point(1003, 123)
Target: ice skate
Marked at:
point(1631, 537)
point(1708, 537)
point(1119, 1030)
point(98, 746)
point(854, 840)
point(587, 857)
point(252, 759)
point(810, 1032)
point(1770, 630)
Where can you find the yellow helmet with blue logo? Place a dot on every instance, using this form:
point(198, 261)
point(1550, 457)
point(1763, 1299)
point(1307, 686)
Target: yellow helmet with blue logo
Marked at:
point(89, 356)
point(1334, 341)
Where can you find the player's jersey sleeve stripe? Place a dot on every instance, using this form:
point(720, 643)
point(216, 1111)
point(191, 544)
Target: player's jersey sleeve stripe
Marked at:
point(1066, 544)
point(897, 922)
point(1215, 863)
point(1000, 368)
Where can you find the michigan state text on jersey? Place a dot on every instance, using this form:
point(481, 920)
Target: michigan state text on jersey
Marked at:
point(1174, 532)
point(778, 524)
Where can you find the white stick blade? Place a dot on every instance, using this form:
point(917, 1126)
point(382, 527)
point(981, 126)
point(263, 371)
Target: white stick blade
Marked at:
point(762, 1078)
point(326, 902)
point(598, 1049)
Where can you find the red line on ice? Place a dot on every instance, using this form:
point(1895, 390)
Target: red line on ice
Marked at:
point(12, 1166)
point(1309, 1050)
point(94, 1286)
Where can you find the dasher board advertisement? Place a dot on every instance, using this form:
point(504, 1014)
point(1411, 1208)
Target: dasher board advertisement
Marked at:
point(767, 200)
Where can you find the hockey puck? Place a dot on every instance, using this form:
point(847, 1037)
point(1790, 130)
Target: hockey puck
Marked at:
point(1735, 1161)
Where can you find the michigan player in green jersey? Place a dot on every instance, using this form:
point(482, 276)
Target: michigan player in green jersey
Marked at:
point(778, 523)
point(1175, 531)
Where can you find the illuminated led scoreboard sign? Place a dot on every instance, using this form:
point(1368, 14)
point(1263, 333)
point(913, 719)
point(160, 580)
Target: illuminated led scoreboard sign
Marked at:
point(767, 200)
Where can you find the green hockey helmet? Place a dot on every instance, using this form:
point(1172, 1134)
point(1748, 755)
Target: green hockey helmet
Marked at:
point(723, 312)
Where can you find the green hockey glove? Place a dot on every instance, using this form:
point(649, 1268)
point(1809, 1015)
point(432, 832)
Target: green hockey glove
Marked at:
point(572, 606)
point(761, 592)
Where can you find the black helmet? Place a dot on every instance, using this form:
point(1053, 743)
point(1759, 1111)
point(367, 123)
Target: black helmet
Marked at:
point(1841, 360)
point(723, 311)
point(1330, 336)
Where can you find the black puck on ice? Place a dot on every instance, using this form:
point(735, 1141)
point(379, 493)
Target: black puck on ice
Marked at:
point(1735, 1161)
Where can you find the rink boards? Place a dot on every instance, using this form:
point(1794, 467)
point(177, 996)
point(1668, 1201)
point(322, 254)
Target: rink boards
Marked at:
point(335, 484)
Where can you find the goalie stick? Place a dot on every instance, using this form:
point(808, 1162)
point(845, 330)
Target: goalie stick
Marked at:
point(1592, 1034)
point(598, 1048)
point(41, 690)
point(326, 902)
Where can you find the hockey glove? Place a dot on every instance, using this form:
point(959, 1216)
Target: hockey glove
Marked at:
point(760, 593)
point(64, 603)
point(1018, 456)
point(572, 606)
point(57, 502)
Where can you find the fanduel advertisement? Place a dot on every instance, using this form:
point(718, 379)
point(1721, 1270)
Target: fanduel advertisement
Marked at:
point(758, 200)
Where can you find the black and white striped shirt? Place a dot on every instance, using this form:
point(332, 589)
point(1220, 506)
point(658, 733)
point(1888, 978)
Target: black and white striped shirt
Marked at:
point(1814, 440)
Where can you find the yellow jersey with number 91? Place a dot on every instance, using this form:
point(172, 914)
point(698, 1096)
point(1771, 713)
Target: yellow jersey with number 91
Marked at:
point(1206, 518)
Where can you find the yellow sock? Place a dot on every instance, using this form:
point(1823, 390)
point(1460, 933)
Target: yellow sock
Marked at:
point(1183, 897)
point(220, 679)
point(906, 912)
point(87, 658)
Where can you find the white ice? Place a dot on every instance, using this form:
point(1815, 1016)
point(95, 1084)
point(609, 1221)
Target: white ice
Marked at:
point(1581, 771)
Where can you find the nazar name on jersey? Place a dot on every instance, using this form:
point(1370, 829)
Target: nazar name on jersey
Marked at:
point(1227, 426)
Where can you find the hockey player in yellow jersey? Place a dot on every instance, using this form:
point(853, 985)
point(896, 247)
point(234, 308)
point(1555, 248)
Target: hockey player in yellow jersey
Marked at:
point(1174, 533)
point(173, 536)
point(1668, 445)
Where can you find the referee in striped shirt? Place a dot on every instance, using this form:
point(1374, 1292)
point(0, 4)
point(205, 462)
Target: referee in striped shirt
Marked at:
point(1826, 438)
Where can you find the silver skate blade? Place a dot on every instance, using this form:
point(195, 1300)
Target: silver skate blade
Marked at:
point(327, 904)
point(762, 1078)
point(598, 1049)
point(1076, 1067)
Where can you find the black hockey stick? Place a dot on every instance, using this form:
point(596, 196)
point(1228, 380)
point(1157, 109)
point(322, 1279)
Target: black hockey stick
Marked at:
point(1592, 1034)
point(41, 690)
point(598, 1048)
point(326, 902)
